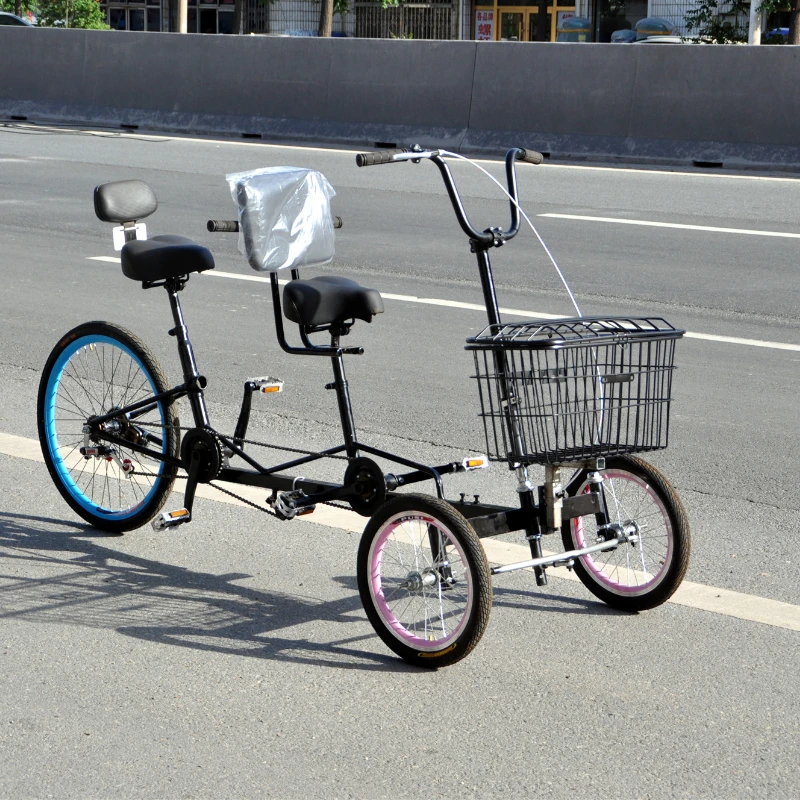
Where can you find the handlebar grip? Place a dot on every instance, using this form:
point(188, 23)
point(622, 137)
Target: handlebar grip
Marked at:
point(232, 225)
point(381, 157)
point(531, 156)
point(222, 226)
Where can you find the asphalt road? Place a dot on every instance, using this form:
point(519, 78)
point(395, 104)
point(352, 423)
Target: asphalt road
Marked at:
point(233, 658)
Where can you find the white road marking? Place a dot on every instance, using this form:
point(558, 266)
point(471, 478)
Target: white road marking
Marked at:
point(751, 608)
point(517, 312)
point(349, 151)
point(679, 226)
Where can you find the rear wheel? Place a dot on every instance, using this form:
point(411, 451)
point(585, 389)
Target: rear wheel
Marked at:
point(424, 580)
point(638, 498)
point(94, 370)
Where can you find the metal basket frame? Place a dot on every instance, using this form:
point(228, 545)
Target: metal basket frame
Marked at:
point(574, 389)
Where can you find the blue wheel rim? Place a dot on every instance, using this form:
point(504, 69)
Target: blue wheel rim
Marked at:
point(64, 472)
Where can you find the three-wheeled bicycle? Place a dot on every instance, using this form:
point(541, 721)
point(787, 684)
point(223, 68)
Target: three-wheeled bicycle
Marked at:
point(579, 396)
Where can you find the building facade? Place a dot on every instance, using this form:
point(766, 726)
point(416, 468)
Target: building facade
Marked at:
point(487, 20)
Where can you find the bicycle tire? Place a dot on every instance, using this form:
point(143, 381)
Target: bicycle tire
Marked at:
point(95, 368)
point(430, 609)
point(634, 491)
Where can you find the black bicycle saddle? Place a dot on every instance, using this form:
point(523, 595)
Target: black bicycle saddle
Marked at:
point(164, 257)
point(328, 299)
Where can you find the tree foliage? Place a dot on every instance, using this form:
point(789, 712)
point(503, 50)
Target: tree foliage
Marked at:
point(328, 8)
point(708, 20)
point(22, 8)
point(771, 6)
point(71, 14)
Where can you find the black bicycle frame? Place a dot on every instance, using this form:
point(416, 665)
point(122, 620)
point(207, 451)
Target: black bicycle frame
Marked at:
point(487, 520)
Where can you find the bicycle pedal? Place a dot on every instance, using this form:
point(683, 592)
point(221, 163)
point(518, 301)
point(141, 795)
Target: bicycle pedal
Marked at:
point(171, 519)
point(267, 385)
point(284, 504)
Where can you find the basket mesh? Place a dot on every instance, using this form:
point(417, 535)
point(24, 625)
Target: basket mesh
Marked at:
point(574, 389)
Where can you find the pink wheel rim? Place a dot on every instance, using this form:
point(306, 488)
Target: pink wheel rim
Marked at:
point(438, 599)
point(639, 557)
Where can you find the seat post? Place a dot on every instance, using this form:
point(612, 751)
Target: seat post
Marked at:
point(343, 399)
point(191, 376)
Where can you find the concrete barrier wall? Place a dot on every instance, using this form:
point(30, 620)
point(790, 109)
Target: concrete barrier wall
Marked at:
point(645, 102)
point(682, 102)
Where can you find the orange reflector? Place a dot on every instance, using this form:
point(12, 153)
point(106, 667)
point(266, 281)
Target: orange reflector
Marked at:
point(475, 462)
point(437, 654)
point(268, 389)
point(181, 512)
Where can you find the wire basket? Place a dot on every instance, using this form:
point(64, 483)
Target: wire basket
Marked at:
point(574, 389)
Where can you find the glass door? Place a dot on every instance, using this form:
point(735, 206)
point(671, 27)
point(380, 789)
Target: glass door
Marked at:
point(517, 20)
point(512, 26)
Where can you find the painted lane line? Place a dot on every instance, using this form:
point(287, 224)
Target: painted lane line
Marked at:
point(405, 298)
point(658, 172)
point(709, 337)
point(517, 312)
point(679, 226)
point(725, 602)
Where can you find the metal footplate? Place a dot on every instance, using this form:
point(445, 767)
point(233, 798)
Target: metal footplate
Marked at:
point(171, 519)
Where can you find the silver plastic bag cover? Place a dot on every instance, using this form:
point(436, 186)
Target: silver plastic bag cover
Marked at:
point(284, 217)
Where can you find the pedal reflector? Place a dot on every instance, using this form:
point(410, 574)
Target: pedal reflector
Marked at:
point(169, 519)
point(475, 462)
point(267, 385)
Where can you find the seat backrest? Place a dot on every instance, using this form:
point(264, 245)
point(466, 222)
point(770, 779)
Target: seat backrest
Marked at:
point(124, 201)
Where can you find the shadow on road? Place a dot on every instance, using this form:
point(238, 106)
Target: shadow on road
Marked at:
point(539, 601)
point(67, 573)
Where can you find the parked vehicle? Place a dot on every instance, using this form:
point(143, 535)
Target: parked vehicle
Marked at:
point(12, 19)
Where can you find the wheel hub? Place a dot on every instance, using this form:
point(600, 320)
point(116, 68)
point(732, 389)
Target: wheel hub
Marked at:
point(417, 581)
point(627, 531)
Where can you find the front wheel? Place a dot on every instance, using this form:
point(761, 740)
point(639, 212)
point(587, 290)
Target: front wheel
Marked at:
point(638, 498)
point(95, 370)
point(424, 580)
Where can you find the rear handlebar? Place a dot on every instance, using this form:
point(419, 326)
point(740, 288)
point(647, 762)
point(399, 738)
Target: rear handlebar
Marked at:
point(232, 225)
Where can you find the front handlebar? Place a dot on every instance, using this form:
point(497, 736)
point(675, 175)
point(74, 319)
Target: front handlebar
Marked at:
point(493, 237)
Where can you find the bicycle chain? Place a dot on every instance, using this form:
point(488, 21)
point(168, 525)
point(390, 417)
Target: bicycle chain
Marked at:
point(269, 510)
point(253, 441)
point(241, 499)
point(244, 500)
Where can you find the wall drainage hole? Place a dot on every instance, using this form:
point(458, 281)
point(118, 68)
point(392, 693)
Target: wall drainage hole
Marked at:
point(708, 164)
point(251, 136)
point(129, 126)
point(385, 145)
point(18, 118)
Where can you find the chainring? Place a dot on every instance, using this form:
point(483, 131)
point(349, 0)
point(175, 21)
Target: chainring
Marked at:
point(370, 485)
point(204, 441)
